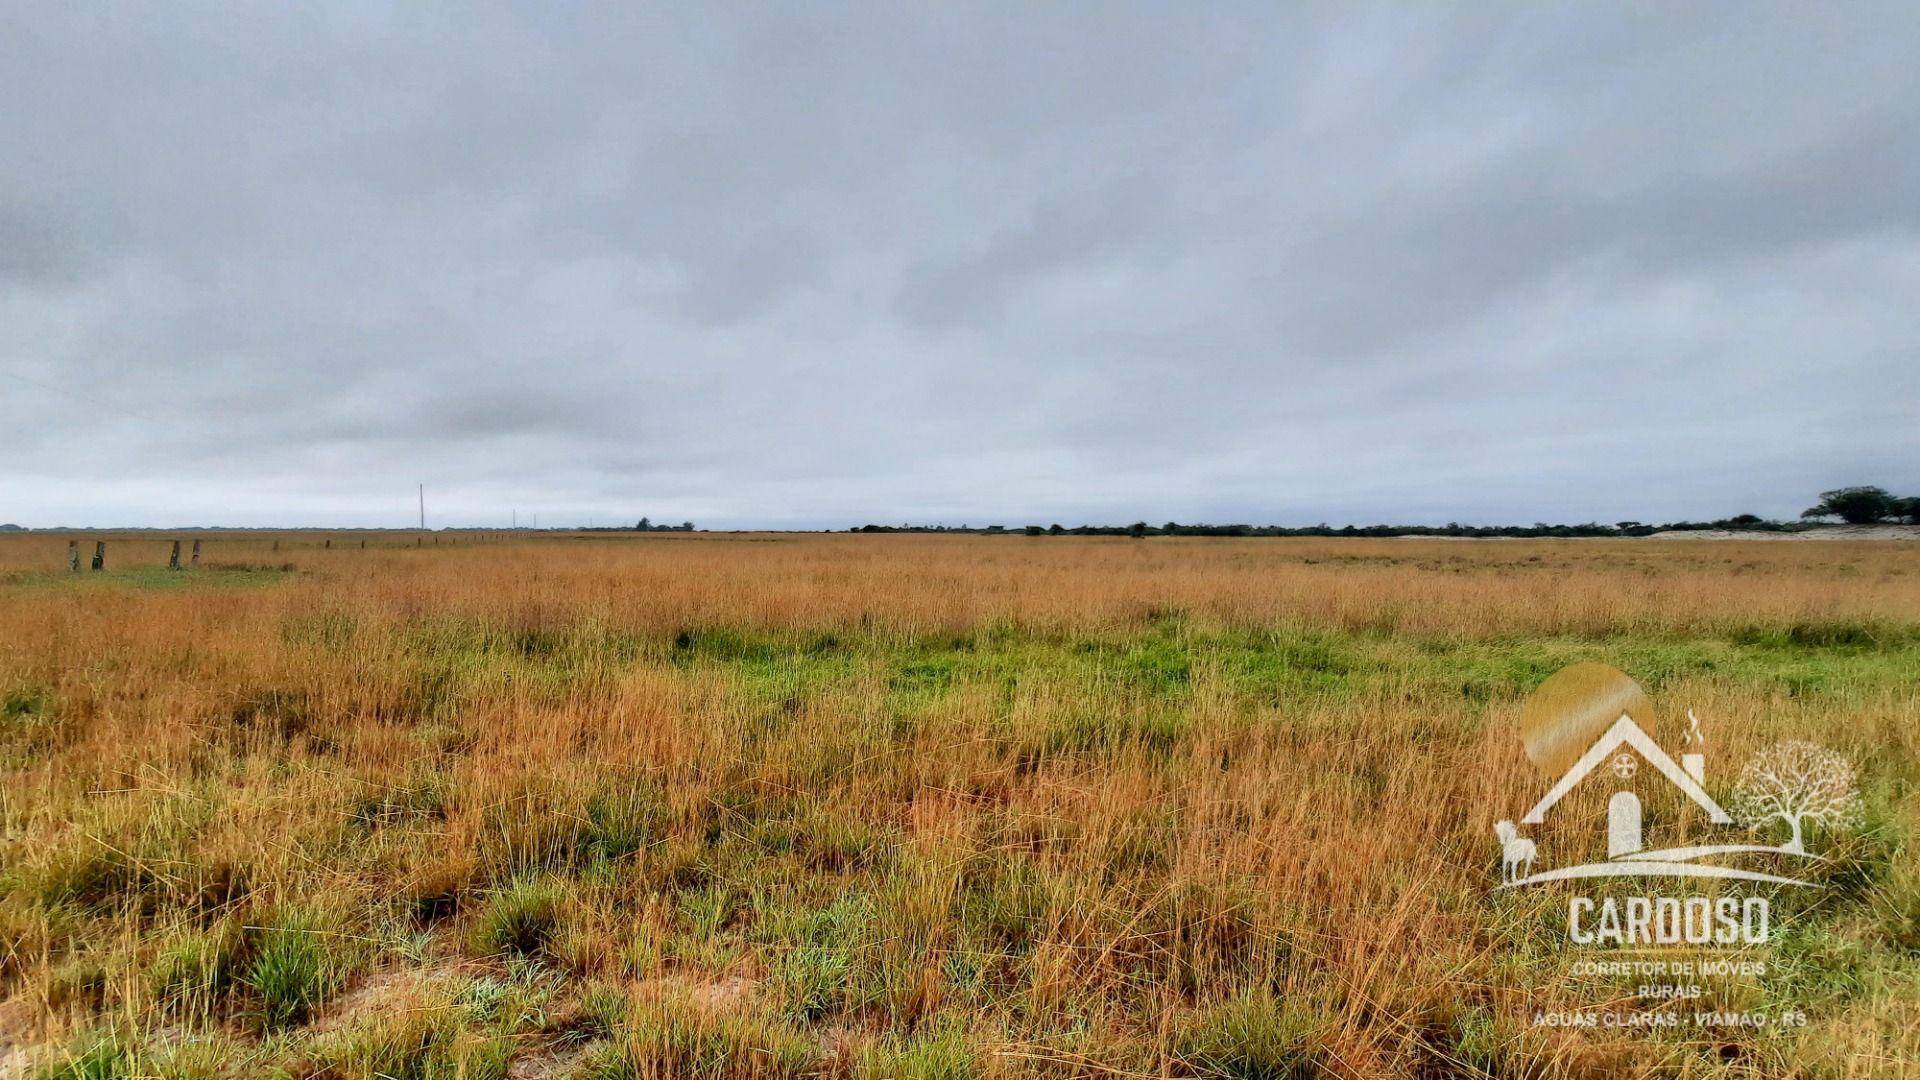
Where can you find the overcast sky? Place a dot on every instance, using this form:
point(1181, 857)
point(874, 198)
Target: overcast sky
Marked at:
point(818, 265)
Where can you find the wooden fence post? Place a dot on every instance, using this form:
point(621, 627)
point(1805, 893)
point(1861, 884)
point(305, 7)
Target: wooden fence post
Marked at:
point(99, 554)
point(173, 560)
point(73, 556)
point(196, 553)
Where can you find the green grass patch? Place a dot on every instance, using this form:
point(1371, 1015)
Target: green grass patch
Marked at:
point(151, 577)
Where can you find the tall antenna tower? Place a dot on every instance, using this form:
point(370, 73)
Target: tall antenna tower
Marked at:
point(423, 508)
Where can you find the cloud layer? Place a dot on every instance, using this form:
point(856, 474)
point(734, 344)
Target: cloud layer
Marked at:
point(970, 263)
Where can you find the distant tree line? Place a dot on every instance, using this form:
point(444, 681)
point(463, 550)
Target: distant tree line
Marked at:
point(644, 525)
point(1171, 528)
point(1853, 505)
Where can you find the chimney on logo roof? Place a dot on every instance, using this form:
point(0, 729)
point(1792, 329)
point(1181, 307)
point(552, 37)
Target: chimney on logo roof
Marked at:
point(1694, 762)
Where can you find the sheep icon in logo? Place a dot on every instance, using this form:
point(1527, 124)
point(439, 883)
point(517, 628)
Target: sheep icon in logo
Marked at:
point(1591, 719)
point(1516, 852)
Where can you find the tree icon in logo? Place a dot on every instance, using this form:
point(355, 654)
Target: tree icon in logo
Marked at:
point(1797, 782)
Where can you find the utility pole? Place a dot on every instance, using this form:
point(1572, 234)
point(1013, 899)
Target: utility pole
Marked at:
point(423, 508)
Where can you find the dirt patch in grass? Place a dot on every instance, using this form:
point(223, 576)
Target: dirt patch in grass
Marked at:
point(721, 994)
point(16, 1034)
point(550, 1063)
point(382, 992)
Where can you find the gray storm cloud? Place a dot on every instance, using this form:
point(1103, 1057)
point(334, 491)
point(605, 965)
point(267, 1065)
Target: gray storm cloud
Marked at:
point(983, 263)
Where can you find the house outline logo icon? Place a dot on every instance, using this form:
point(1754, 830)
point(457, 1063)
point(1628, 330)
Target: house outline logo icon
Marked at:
point(1775, 784)
point(1626, 733)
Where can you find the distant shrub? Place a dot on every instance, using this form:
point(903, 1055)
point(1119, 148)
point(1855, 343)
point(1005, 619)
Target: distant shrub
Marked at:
point(1856, 505)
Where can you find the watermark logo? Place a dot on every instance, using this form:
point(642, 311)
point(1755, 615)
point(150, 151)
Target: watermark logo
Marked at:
point(1684, 868)
point(1587, 726)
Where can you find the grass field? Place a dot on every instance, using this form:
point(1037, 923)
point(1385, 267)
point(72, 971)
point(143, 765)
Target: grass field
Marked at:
point(905, 806)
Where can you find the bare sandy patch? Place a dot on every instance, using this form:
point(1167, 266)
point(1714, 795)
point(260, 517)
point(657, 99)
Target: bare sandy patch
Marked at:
point(1824, 532)
point(383, 992)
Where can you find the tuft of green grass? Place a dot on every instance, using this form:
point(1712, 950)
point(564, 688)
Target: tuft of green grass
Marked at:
point(603, 1008)
point(1003, 902)
point(943, 1053)
point(94, 877)
point(811, 980)
point(277, 711)
point(194, 970)
point(1256, 1037)
point(674, 1038)
point(30, 726)
point(22, 704)
point(1896, 909)
point(519, 920)
point(423, 800)
point(839, 842)
point(97, 1056)
point(78, 981)
point(426, 1042)
point(1477, 1042)
point(621, 824)
point(708, 909)
point(294, 969)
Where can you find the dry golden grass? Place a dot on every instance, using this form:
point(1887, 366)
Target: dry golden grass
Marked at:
point(716, 805)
